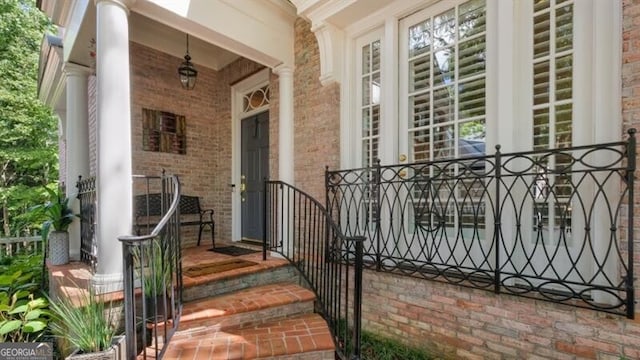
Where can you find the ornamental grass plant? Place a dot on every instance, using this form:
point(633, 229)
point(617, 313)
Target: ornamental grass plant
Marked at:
point(86, 322)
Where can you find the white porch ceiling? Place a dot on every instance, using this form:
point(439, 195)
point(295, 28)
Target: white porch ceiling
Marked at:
point(220, 31)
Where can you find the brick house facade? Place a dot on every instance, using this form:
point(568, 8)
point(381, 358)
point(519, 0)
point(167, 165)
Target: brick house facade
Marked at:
point(461, 322)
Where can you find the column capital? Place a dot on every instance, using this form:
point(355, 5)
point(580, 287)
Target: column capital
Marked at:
point(71, 69)
point(124, 4)
point(283, 70)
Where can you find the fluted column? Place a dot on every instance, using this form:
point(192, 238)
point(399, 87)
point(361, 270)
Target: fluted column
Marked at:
point(77, 143)
point(113, 185)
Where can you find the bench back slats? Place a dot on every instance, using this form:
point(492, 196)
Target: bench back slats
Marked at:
point(150, 205)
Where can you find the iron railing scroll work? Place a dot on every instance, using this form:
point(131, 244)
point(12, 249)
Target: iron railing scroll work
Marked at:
point(554, 225)
point(153, 273)
point(298, 227)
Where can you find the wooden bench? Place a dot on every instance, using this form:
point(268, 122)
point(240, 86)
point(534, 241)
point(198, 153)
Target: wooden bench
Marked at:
point(148, 209)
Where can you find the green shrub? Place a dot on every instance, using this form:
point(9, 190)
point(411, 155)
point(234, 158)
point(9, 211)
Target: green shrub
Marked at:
point(24, 313)
point(377, 347)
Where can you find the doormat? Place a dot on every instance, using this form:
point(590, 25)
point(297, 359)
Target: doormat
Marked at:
point(216, 267)
point(233, 250)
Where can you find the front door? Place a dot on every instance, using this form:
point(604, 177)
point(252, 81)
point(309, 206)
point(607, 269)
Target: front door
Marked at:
point(255, 168)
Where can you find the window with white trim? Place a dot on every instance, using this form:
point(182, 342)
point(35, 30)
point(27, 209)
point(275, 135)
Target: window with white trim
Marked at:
point(445, 84)
point(552, 112)
point(370, 87)
point(526, 74)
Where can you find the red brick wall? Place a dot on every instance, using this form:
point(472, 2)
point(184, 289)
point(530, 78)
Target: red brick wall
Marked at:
point(205, 170)
point(316, 116)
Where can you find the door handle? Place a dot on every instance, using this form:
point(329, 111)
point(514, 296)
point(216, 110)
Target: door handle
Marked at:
point(243, 187)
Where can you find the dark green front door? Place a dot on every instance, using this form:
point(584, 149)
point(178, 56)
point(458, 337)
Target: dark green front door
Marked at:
point(255, 168)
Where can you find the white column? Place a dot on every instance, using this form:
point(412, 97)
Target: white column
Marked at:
point(77, 143)
point(285, 149)
point(285, 135)
point(114, 184)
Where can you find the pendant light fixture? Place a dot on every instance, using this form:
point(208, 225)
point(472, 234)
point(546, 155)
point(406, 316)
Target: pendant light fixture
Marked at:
point(187, 71)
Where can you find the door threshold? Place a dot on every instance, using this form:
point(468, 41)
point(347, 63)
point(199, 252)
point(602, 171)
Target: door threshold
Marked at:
point(253, 242)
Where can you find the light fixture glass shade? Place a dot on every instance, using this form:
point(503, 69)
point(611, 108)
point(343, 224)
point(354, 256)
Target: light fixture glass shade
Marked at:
point(187, 72)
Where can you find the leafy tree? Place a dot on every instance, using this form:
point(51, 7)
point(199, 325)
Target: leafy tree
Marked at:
point(28, 140)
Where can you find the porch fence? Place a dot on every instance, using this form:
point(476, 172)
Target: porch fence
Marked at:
point(299, 228)
point(153, 274)
point(27, 245)
point(555, 225)
point(87, 197)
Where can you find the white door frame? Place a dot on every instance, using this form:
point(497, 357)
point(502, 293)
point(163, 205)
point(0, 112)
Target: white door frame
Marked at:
point(238, 92)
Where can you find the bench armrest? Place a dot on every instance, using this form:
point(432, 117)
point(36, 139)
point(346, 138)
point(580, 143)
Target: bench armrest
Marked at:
point(206, 213)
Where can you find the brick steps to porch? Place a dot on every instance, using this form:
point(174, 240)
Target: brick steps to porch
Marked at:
point(255, 312)
point(297, 337)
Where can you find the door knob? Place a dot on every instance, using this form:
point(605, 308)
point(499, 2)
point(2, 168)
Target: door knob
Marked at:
point(402, 157)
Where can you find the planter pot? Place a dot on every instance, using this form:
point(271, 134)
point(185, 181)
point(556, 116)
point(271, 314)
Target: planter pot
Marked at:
point(58, 247)
point(117, 351)
point(156, 308)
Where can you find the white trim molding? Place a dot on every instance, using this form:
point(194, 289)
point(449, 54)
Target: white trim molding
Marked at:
point(331, 46)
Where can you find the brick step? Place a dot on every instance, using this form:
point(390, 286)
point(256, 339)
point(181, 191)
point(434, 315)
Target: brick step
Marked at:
point(302, 336)
point(249, 306)
point(271, 271)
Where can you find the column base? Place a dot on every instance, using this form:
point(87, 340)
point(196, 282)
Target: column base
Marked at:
point(106, 283)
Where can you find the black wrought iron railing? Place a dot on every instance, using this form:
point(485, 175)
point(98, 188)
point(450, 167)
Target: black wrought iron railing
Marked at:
point(87, 197)
point(153, 274)
point(299, 228)
point(555, 225)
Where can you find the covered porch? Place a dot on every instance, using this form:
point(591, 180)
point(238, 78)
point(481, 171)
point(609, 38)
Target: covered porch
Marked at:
point(114, 82)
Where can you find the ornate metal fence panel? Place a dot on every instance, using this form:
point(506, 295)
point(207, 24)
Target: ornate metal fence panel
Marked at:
point(87, 196)
point(555, 225)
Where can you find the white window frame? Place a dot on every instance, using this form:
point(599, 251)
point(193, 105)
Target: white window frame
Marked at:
point(376, 35)
point(597, 75)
